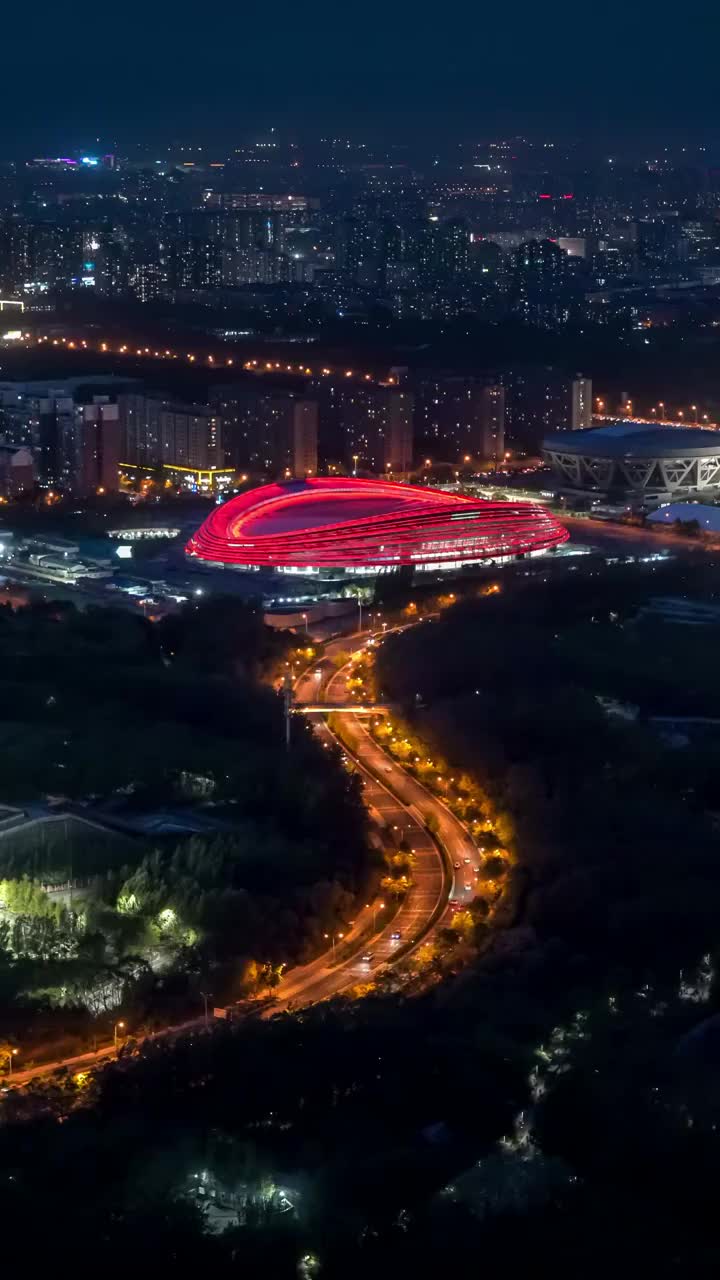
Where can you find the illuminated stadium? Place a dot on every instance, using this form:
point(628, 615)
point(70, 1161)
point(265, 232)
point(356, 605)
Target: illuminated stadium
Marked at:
point(326, 525)
point(636, 460)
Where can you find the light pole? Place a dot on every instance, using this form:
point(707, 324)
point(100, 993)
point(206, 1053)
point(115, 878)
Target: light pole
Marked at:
point(121, 1025)
point(355, 462)
point(359, 614)
point(305, 620)
point(378, 906)
point(12, 1054)
point(287, 706)
point(334, 937)
point(206, 995)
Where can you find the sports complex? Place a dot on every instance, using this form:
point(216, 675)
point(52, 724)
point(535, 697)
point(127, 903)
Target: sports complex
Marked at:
point(636, 460)
point(329, 527)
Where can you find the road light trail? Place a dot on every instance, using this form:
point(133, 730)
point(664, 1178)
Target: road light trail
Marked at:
point(396, 798)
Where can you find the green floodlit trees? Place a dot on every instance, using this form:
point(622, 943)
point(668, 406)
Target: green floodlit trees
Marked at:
point(110, 712)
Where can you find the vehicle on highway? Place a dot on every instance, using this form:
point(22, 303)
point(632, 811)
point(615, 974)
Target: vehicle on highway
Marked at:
point(387, 768)
point(368, 957)
point(395, 936)
point(468, 887)
point(466, 861)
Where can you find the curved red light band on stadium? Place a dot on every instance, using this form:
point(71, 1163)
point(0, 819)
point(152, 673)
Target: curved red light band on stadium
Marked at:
point(353, 523)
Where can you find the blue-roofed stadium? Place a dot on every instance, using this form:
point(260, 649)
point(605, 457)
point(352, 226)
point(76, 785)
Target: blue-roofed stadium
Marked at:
point(636, 459)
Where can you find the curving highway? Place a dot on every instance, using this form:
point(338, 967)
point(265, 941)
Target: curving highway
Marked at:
point(393, 797)
point(397, 799)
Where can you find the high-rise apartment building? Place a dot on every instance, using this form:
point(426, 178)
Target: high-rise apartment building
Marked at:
point(155, 429)
point(540, 400)
point(94, 463)
point(52, 421)
point(580, 403)
point(275, 432)
point(458, 417)
point(72, 428)
point(76, 446)
point(368, 427)
point(191, 436)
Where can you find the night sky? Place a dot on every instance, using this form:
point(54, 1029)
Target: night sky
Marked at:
point(162, 72)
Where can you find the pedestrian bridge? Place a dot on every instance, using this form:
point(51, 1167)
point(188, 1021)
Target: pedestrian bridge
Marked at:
point(353, 709)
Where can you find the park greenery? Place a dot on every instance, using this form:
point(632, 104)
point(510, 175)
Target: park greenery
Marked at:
point(176, 845)
point(551, 1106)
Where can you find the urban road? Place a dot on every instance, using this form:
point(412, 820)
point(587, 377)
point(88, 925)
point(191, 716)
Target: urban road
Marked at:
point(395, 800)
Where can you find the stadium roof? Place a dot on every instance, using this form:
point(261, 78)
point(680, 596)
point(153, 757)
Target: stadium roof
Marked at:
point(707, 517)
point(343, 522)
point(635, 439)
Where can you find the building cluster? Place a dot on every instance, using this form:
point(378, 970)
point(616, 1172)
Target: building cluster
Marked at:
point(77, 434)
point(500, 230)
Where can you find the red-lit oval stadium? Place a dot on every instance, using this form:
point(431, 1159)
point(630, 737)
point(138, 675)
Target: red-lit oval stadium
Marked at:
point(368, 525)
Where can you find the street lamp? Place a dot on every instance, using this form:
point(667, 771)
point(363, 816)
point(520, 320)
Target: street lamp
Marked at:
point(304, 617)
point(334, 937)
point(355, 462)
point(378, 906)
point(121, 1025)
point(12, 1054)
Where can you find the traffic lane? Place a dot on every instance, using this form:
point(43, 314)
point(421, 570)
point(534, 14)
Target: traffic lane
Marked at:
point(428, 870)
point(428, 874)
point(422, 900)
point(320, 980)
point(93, 1058)
point(458, 844)
point(633, 539)
point(410, 791)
